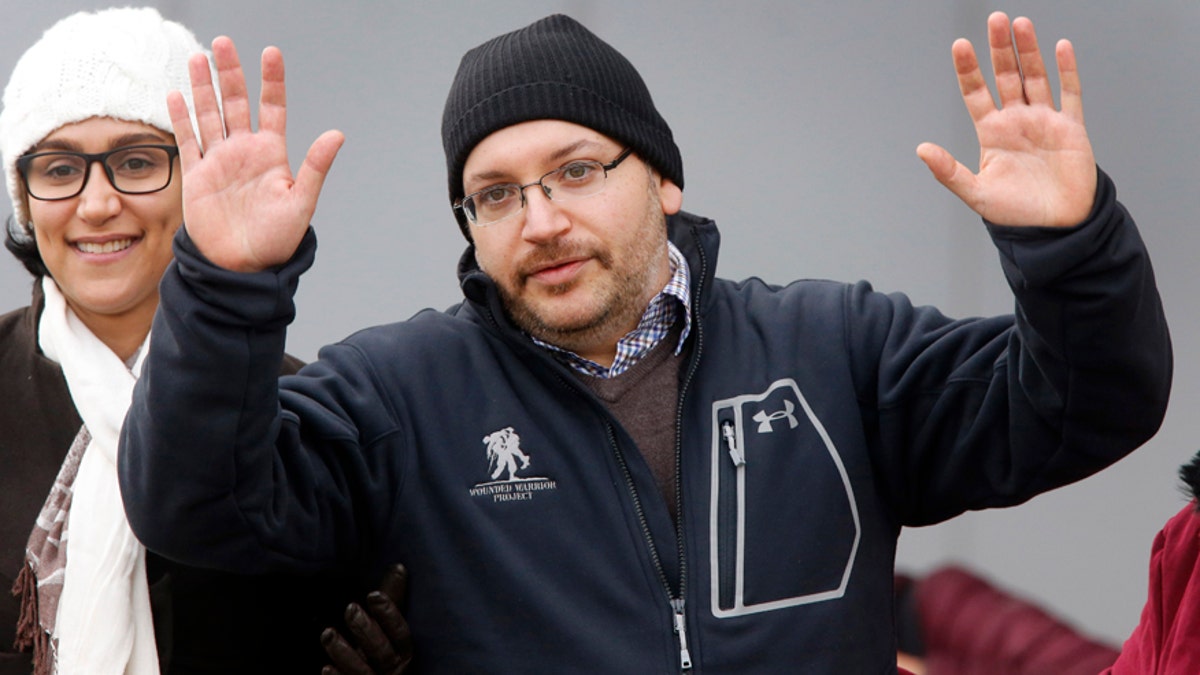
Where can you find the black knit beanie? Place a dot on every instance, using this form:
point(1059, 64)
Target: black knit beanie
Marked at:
point(552, 69)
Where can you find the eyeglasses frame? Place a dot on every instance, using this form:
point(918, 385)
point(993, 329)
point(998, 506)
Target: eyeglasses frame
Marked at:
point(546, 191)
point(24, 161)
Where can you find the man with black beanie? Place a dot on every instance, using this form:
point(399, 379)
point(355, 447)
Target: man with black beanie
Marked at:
point(607, 459)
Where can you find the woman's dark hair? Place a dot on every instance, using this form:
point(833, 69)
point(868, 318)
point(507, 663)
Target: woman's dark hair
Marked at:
point(1190, 473)
point(26, 251)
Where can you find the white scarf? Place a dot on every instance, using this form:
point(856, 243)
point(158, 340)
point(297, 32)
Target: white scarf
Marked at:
point(104, 625)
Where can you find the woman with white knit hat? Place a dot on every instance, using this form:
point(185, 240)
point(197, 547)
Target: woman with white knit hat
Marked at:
point(91, 166)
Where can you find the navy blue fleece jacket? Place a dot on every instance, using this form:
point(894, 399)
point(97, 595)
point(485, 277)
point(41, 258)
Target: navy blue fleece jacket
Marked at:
point(815, 420)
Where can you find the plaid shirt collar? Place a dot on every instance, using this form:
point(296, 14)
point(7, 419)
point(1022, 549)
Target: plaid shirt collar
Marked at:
point(656, 323)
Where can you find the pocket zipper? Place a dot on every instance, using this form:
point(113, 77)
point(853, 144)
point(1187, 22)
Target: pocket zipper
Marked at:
point(730, 435)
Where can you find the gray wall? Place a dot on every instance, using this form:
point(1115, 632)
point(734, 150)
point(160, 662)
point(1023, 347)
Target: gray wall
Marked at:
point(798, 123)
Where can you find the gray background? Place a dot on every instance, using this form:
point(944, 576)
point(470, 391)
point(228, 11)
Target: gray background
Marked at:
point(798, 124)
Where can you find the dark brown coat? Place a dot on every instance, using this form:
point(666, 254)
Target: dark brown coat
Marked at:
point(205, 622)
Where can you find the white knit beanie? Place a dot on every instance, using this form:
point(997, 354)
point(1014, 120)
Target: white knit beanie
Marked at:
point(118, 63)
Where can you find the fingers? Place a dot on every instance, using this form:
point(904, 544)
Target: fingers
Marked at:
point(1033, 69)
point(384, 606)
point(272, 102)
point(346, 659)
point(1005, 65)
point(369, 636)
point(204, 101)
point(1019, 70)
point(1035, 163)
point(379, 637)
point(1068, 77)
point(185, 137)
point(975, 93)
point(387, 614)
point(234, 98)
point(395, 583)
point(1017, 62)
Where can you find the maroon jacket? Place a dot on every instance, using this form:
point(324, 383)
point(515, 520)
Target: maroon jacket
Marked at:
point(969, 627)
point(1167, 639)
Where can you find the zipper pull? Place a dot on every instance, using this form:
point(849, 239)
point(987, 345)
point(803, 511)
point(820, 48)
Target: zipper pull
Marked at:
point(685, 657)
point(730, 435)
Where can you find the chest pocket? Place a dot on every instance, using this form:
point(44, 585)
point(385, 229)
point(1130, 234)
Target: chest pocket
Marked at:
point(784, 523)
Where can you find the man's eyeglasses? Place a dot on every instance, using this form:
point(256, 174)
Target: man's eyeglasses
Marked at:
point(570, 181)
point(132, 170)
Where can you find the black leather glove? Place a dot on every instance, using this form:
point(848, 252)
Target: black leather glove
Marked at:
point(377, 639)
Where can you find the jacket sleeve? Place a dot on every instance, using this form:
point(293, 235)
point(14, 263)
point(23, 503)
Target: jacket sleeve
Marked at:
point(212, 468)
point(981, 413)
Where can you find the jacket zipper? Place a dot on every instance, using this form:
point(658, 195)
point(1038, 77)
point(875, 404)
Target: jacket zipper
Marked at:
point(728, 511)
point(685, 657)
point(678, 606)
point(678, 614)
point(678, 618)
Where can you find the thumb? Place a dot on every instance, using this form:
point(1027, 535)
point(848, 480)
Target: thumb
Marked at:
point(311, 175)
point(948, 171)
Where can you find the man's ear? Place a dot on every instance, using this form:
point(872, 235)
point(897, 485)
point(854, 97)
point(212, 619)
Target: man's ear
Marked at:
point(671, 196)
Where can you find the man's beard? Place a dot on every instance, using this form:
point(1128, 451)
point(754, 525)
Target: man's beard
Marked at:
point(621, 294)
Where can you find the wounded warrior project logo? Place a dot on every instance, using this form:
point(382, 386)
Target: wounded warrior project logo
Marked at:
point(505, 456)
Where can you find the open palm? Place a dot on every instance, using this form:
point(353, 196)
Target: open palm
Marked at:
point(242, 206)
point(1036, 165)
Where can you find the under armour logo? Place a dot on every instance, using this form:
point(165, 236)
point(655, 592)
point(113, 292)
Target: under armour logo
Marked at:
point(764, 420)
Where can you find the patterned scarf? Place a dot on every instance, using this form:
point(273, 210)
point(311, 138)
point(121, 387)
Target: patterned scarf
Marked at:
point(87, 606)
point(39, 584)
